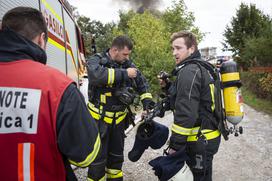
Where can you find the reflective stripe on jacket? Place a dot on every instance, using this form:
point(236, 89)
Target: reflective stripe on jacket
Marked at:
point(192, 133)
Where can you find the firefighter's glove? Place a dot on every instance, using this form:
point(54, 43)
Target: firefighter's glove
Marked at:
point(166, 167)
point(126, 95)
point(150, 134)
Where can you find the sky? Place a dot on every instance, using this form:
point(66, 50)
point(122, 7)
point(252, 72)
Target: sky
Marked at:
point(211, 16)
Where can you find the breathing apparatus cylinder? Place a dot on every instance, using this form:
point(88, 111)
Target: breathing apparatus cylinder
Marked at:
point(233, 102)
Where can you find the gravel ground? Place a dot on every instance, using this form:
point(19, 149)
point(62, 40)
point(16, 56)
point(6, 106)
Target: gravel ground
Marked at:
point(247, 157)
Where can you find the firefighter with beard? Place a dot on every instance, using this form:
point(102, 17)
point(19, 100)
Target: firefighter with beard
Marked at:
point(195, 137)
point(113, 78)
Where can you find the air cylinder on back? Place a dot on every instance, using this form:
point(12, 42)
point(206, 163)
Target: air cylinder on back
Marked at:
point(233, 102)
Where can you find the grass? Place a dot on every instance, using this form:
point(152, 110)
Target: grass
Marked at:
point(255, 102)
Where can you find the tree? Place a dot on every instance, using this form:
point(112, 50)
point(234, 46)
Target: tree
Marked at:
point(248, 23)
point(125, 17)
point(95, 32)
point(177, 18)
point(151, 42)
point(258, 51)
point(104, 36)
point(84, 25)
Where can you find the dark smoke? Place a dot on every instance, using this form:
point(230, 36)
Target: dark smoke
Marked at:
point(141, 5)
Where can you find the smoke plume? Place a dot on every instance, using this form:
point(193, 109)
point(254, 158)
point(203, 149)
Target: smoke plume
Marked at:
point(141, 5)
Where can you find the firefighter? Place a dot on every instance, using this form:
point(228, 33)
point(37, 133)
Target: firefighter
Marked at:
point(195, 128)
point(112, 79)
point(44, 122)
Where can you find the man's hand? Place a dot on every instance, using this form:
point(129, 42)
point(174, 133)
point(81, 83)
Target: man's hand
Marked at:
point(132, 72)
point(144, 114)
point(163, 78)
point(171, 151)
point(162, 83)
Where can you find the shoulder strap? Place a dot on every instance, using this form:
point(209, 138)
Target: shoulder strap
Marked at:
point(98, 55)
point(102, 60)
point(208, 66)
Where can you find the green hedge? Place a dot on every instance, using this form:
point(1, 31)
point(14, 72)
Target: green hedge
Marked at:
point(258, 83)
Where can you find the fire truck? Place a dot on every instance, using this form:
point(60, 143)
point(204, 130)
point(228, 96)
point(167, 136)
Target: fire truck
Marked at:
point(65, 47)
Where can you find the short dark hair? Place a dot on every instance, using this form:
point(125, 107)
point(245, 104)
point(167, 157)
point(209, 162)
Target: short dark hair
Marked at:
point(121, 42)
point(189, 38)
point(26, 21)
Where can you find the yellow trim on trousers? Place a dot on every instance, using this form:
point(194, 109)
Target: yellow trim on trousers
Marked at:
point(102, 179)
point(114, 173)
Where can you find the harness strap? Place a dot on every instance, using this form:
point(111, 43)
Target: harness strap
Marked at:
point(108, 116)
